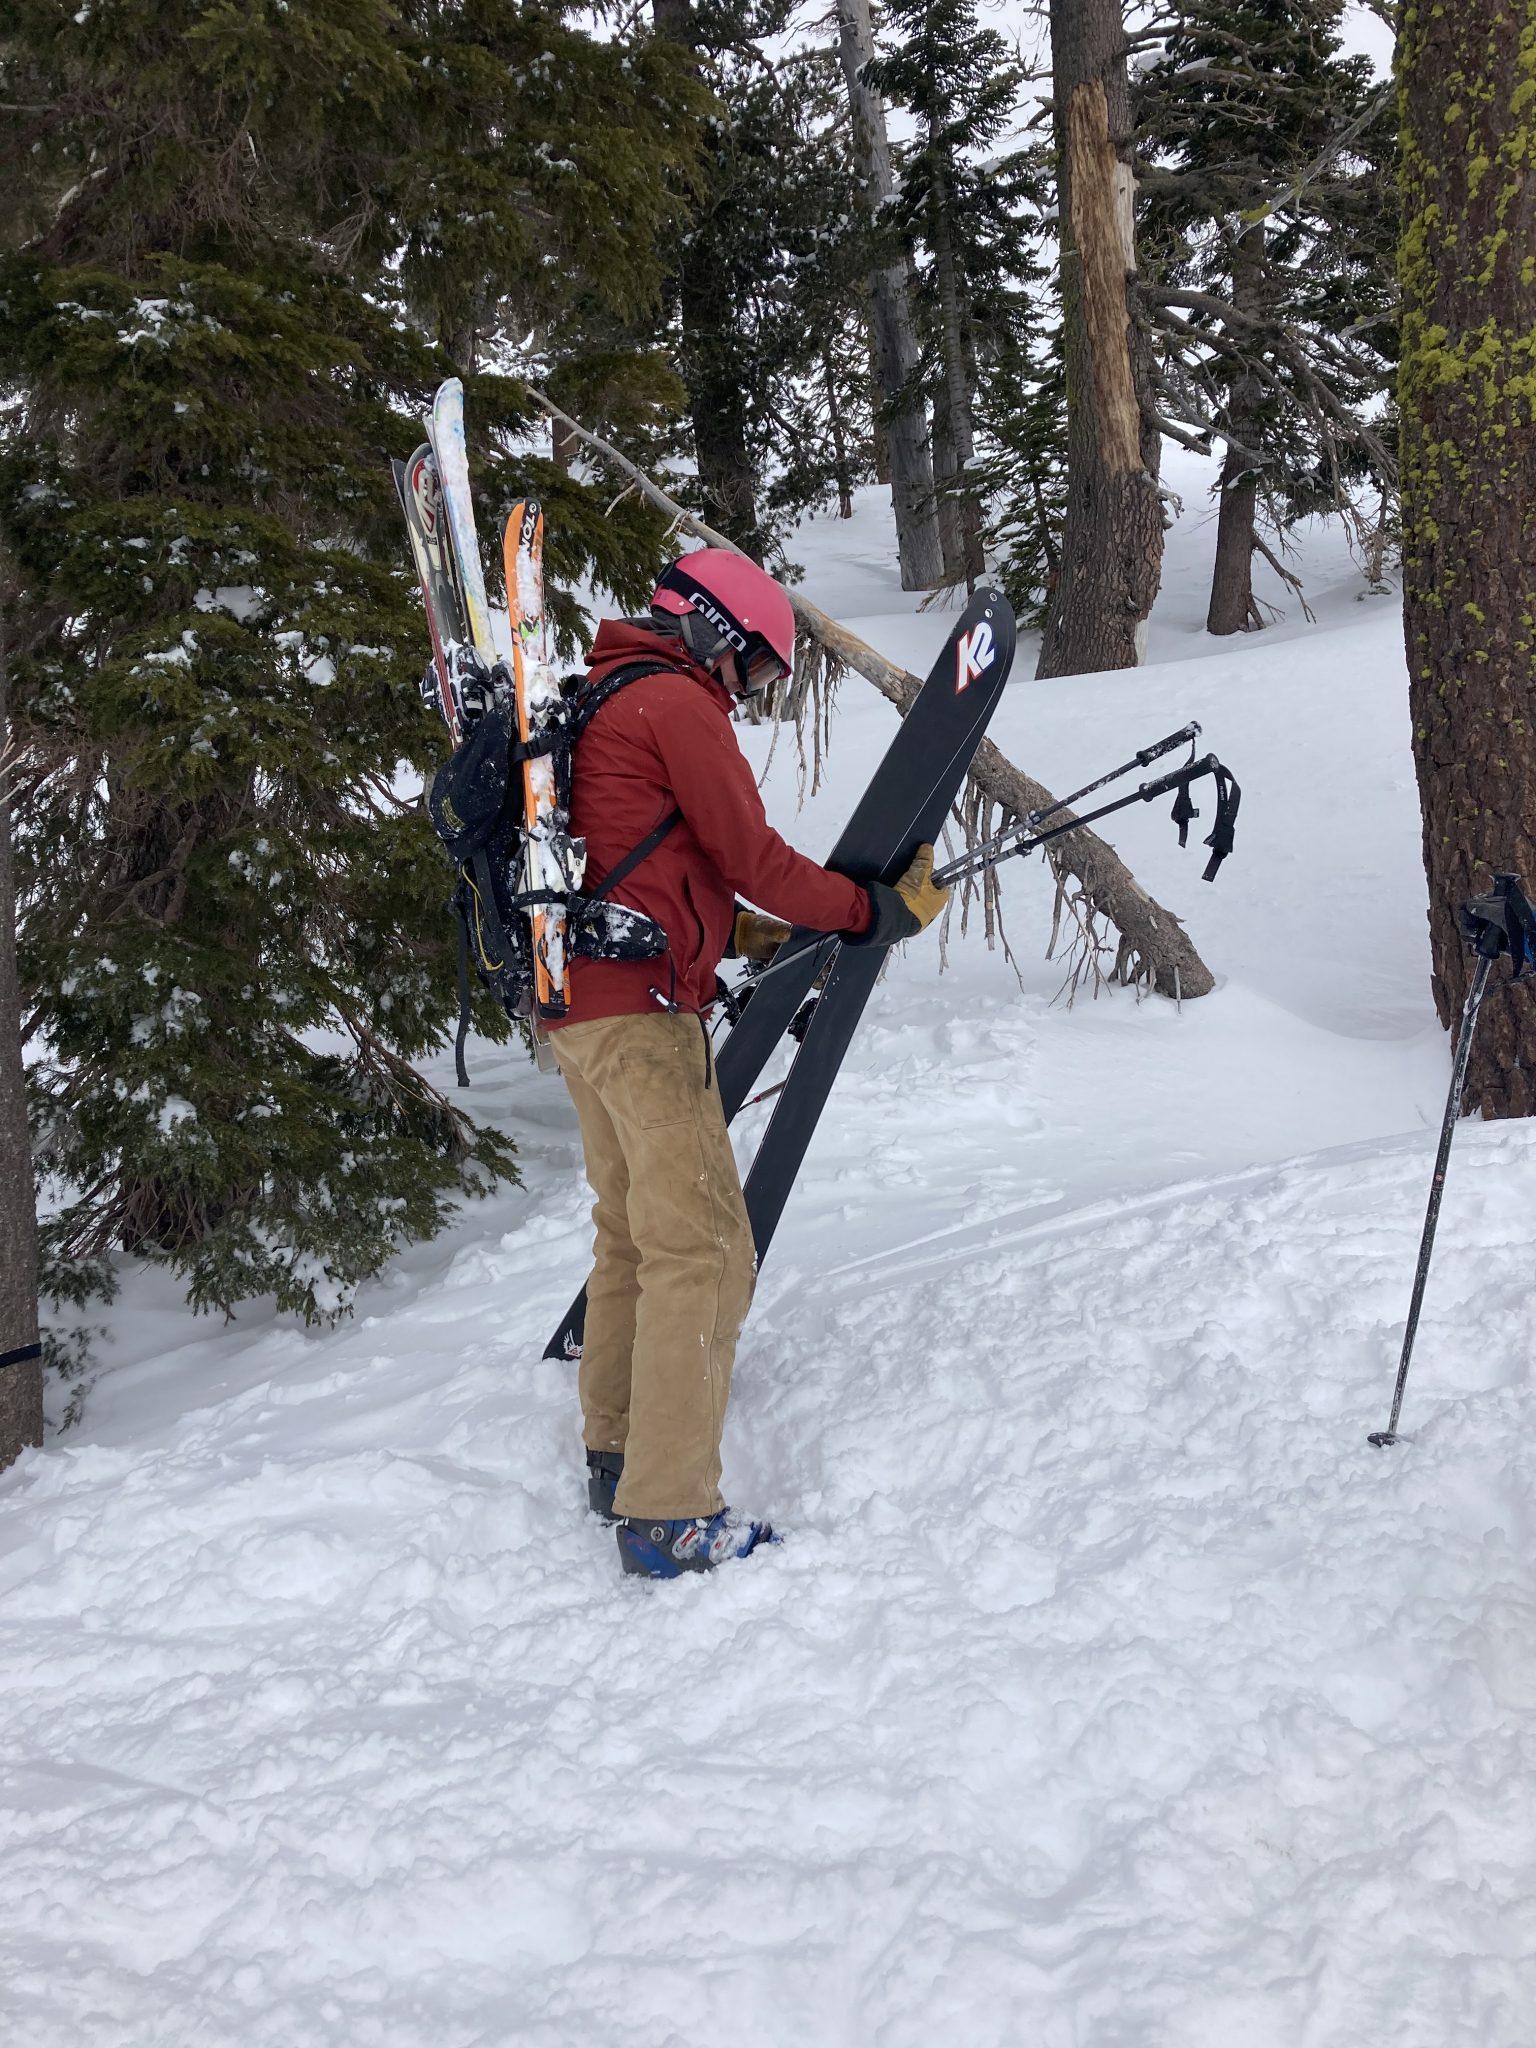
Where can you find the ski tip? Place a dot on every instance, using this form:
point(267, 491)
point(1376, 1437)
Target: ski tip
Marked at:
point(520, 529)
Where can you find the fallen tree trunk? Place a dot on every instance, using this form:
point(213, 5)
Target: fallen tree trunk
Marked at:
point(1153, 949)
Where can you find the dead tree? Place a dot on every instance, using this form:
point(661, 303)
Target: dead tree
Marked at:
point(1093, 883)
point(1112, 545)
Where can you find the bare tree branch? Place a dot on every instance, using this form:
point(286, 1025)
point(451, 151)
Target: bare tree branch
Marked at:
point(1154, 948)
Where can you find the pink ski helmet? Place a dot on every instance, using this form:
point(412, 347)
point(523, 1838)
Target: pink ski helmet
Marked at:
point(726, 604)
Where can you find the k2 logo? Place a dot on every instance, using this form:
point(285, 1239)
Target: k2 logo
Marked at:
point(973, 655)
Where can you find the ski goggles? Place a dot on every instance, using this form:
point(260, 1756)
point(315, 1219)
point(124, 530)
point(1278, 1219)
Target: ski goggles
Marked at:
point(760, 666)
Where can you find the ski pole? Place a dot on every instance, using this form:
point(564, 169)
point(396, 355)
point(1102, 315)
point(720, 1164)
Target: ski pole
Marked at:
point(1022, 838)
point(1382, 1437)
point(1497, 923)
point(1144, 759)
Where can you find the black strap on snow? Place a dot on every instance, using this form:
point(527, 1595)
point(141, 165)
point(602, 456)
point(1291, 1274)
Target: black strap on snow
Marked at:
point(22, 1355)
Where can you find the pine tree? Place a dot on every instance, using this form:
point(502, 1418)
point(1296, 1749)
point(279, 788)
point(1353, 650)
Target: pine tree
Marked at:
point(1265, 233)
point(903, 447)
point(234, 243)
point(770, 331)
point(961, 86)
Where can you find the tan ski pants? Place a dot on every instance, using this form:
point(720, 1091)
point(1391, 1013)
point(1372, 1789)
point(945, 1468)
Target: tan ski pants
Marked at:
point(674, 1265)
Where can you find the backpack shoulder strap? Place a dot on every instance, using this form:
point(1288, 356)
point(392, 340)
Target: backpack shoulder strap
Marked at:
point(588, 704)
point(593, 696)
point(636, 854)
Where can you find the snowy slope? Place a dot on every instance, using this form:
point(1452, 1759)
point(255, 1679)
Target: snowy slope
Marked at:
point(1108, 1690)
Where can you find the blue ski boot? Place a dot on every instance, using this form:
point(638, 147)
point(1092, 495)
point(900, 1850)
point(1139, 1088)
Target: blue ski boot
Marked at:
point(604, 1470)
point(697, 1543)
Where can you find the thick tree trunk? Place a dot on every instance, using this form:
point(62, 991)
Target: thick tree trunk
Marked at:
point(562, 447)
point(21, 1381)
point(1469, 491)
point(904, 431)
point(1232, 608)
point(708, 295)
point(1112, 546)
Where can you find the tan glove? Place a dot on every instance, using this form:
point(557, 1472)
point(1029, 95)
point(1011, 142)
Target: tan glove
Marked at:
point(900, 912)
point(755, 937)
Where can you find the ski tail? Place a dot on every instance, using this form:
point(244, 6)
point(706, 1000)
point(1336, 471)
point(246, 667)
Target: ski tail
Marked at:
point(974, 671)
point(445, 429)
point(537, 695)
point(416, 485)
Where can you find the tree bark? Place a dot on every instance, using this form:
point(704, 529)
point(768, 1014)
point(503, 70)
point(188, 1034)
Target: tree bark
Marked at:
point(707, 297)
point(1469, 491)
point(903, 428)
point(957, 384)
point(1232, 608)
point(1155, 942)
point(562, 447)
point(946, 475)
point(1112, 545)
point(842, 468)
point(21, 1382)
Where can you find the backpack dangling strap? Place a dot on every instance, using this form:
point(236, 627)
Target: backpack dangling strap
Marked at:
point(458, 1044)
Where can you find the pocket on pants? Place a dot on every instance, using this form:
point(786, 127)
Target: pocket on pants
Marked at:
point(663, 1072)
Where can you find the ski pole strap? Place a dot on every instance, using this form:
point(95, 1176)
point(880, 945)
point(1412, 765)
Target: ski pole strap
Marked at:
point(23, 1354)
point(1228, 797)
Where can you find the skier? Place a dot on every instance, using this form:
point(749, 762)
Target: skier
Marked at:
point(658, 774)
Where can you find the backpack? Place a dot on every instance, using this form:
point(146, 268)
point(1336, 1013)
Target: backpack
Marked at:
point(476, 805)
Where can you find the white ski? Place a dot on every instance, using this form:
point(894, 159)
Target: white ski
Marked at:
point(445, 429)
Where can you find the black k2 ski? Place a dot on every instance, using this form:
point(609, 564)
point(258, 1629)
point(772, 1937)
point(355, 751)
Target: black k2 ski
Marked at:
point(904, 807)
point(981, 668)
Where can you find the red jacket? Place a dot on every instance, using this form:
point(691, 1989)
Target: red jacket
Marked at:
point(666, 743)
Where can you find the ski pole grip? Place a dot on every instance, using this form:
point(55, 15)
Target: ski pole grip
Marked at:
point(1156, 751)
point(1177, 778)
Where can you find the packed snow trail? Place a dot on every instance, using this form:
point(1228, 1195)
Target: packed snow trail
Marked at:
point(1109, 1691)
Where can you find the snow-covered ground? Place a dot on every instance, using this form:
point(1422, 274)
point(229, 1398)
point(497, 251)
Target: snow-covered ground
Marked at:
point(1108, 1690)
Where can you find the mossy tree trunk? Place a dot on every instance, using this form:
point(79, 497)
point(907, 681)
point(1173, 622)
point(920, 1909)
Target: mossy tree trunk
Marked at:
point(1112, 544)
point(1467, 393)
